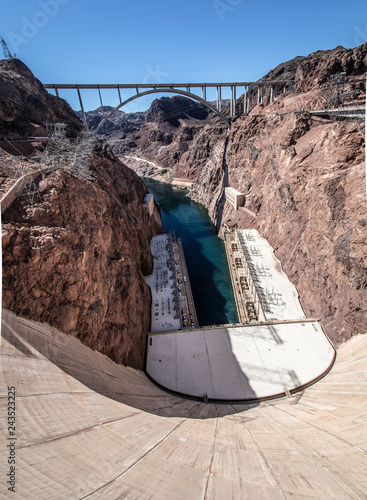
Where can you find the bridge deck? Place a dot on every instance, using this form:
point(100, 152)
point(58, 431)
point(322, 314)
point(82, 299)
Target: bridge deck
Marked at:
point(157, 85)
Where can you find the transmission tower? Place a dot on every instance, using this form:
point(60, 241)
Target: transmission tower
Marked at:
point(85, 145)
point(57, 146)
point(30, 191)
point(334, 93)
point(6, 51)
point(3, 163)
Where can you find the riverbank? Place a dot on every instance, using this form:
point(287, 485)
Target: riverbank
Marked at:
point(148, 169)
point(204, 252)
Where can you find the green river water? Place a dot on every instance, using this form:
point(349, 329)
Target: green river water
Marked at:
point(204, 252)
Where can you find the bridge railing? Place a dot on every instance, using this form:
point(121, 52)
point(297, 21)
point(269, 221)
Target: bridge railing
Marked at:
point(265, 89)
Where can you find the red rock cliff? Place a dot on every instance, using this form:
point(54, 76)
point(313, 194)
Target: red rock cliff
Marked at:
point(304, 179)
point(77, 257)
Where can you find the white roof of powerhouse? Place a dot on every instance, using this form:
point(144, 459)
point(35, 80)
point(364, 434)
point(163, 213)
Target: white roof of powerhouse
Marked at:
point(162, 284)
point(281, 294)
point(244, 362)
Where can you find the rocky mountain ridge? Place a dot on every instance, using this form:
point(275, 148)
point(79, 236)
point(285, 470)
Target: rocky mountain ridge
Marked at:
point(26, 107)
point(118, 126)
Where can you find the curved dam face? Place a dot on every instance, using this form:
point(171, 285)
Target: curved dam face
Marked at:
point(88, 428)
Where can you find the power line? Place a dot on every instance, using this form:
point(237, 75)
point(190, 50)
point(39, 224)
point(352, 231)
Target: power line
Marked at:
point(45, 99)
point(128, 15)
point(16, 4)
point(135, 24)
point(131, 15)
point(81, 11)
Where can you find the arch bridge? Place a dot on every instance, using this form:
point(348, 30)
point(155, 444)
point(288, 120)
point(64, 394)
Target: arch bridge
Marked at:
point(254, 92)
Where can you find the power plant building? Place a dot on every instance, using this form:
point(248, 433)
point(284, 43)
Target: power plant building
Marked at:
point(234, 197)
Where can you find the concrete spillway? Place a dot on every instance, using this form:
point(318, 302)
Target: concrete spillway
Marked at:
point(88, 428)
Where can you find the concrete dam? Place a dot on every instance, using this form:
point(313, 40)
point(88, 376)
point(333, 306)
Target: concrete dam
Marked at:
point(88, 428)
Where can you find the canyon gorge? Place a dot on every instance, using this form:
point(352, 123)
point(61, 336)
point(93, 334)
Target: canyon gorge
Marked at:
point(77, 257)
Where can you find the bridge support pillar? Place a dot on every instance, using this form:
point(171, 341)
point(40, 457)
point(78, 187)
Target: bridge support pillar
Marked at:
point(271, 94)
point(203, 92)
point(247, 99)
point(262, 94)
point(100, 98)
point(219, 101)
point(234, 101)
point(118, 90)
point(258, 95)
point(231, 103)
point(81, 105)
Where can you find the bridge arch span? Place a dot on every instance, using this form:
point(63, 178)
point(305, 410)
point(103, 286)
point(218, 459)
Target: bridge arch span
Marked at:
point(164, 90)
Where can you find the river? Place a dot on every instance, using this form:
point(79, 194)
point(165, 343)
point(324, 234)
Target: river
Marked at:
point(204, 252)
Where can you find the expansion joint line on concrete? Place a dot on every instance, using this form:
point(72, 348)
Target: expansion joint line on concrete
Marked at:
point(320, 429)
point(322, 461)
point(211, 459)
point(265, 466)
point(76, 433)
point(136, 461)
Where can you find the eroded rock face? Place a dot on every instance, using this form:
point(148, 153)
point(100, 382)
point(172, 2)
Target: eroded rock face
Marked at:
point(305, 181)
point(166, 134)
point(26, 107)
point(76, 258)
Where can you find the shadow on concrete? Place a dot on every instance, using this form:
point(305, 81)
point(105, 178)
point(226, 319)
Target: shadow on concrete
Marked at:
point(98, 373)
point(205, 367)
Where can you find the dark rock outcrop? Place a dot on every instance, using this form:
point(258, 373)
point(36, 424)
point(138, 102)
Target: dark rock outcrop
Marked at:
point(315, 70)
point(116, 128)
point(26, 107)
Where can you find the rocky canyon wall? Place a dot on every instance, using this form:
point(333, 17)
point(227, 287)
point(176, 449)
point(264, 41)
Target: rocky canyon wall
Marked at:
point(76, 257)
point(304, 181)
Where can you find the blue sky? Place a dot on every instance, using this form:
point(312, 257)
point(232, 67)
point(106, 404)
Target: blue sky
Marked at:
point(156, 41)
